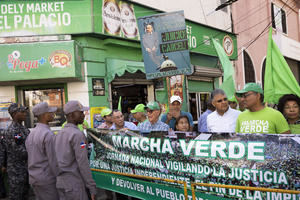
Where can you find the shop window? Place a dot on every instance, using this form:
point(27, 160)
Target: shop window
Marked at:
point(278, 18)
point(248, 68)
point(55, 97)
point(198, 104)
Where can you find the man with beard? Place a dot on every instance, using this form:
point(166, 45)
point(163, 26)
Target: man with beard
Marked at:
point(258, 118)
point(74, 174)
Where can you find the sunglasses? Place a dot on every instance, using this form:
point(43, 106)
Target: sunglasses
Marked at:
point(150, 111)
point(221, 100)
point(245, 95)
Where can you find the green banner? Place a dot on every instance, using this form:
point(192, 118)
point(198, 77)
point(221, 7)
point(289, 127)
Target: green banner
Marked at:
point(255, 160)
point(27, 18)
point(119, 18)
point(43, 60)
point(145, 189)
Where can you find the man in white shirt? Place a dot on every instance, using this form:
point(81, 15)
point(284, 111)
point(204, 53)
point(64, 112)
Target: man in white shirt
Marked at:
point(223, 119)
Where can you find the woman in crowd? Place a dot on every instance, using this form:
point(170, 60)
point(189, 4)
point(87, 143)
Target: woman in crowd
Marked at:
point(289, 106)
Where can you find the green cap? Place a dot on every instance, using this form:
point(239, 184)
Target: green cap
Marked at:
point(138, 108)
point(152, 105)
point(105, 112)
point(250, 87)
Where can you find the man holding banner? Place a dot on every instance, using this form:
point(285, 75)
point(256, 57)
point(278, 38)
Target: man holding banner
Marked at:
point(258, 118)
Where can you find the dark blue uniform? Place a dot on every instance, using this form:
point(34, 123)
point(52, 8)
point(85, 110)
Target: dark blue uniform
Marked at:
point(13, 148)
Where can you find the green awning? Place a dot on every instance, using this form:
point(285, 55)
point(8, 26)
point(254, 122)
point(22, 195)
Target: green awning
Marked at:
point(118, 67)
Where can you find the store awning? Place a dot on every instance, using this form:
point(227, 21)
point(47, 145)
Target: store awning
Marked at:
point(119, 67)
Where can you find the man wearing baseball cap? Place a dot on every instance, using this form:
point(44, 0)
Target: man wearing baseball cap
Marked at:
point(13, 148)
point(174, 112)
point(41, 154)
point(106, 114)
point(74, 174)
point(153, 123)
point(139, 113)
point(258, 118)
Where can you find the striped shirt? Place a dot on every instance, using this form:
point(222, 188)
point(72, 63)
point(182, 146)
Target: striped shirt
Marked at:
point(158, 126)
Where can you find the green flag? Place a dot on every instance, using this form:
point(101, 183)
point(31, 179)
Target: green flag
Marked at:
point(279, 80)
point(120, 104)
point(228, 81)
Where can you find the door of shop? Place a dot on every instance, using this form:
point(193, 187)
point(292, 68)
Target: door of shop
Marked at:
point(134, 89)
point(54, 96)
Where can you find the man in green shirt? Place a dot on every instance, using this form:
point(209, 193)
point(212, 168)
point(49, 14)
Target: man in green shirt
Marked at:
point(258, 118)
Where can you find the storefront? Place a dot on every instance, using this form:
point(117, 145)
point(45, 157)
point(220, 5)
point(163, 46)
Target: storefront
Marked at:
point(90, 52)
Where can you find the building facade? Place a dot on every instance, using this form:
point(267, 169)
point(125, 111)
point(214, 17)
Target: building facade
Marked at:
point(90, 51)
point(251, 26)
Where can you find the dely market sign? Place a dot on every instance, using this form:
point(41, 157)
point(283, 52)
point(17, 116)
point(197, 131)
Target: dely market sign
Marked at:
point(22, 18)
point(257, 160)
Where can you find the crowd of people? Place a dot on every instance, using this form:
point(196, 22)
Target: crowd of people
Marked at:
point(57, 166)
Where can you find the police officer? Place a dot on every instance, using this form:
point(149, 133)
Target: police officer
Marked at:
point(41, 155)
point(15, 151)
point(74, 174)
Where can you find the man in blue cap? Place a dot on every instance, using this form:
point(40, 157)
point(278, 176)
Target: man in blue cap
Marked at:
point(13, 148)
point(42, 163)
point(258, 118)
point(74, 174)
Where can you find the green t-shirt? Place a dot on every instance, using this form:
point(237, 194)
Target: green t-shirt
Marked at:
point(295, 128)
point(266, 120)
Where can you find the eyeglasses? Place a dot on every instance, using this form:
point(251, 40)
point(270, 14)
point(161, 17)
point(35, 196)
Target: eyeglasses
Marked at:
point(221, 100)
point(245, 95)
point(150, 111)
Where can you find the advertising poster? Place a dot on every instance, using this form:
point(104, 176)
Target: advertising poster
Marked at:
point(175, 86)
point(164, 45)
point(255, 160)
point(5, 118)
point(118, 19)
point(96, 119)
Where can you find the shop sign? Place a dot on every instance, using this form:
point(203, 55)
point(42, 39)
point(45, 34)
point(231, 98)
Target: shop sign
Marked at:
point(164, 45)
point(259, 160)
point(118, 18)
point(98, 87)
point(27, 18)
point(113, 22)
point(30, 61)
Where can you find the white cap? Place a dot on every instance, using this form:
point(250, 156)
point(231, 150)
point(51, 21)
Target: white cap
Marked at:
point(175, 98)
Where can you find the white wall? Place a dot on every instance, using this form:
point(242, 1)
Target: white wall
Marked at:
point(201, 11)
point(79, 90)
point(7, 94)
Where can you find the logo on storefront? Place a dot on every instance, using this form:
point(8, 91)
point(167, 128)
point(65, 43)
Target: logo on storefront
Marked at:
point(128, 21)
point(60, 58)
point(111, 17)
point(15, 63)
point(228, 45)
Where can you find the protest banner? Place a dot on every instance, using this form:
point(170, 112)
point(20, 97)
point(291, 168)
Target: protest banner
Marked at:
point(164, 45)
point(257, 160)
